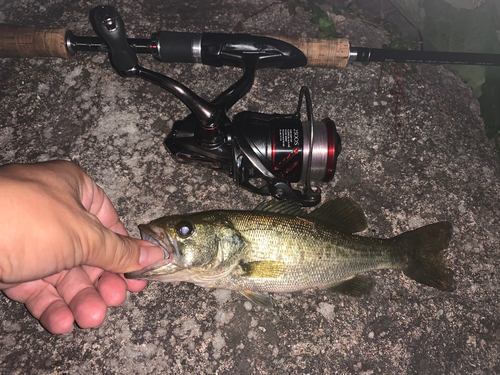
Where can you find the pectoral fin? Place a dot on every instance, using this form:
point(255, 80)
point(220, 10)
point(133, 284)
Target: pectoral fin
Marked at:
point(264, 269)
point(259, 298)
point(357, 286)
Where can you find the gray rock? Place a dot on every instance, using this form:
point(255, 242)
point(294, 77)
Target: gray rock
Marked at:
point(430, 161)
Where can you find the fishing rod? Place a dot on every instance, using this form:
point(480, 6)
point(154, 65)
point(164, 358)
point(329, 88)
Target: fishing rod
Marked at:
point(269, 154)
point(213, 48)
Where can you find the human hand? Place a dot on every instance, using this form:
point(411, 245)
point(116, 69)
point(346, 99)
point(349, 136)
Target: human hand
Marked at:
point(63, 246)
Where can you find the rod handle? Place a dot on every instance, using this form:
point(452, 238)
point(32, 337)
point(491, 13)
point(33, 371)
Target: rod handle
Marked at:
point(324, 53)
point(18, 41)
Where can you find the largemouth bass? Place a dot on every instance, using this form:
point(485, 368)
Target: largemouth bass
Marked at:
point(278, 247)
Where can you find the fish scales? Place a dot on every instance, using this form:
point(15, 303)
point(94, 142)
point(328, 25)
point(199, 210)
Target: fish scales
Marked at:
point(314, 254)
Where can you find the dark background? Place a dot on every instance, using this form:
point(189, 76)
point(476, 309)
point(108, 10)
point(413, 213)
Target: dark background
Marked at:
point(414, 152)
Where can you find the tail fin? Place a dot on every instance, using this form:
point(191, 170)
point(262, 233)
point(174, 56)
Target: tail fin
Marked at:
point(424, 248)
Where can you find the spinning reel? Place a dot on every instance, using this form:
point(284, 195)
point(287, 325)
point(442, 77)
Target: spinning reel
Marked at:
point(264, 153)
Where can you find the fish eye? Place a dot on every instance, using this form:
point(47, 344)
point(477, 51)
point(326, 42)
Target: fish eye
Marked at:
point(184, 228)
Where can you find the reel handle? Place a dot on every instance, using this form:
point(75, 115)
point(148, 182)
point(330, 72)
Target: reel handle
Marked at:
point(108, 23)
point(19, 41)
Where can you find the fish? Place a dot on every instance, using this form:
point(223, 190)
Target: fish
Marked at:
point(279, 247)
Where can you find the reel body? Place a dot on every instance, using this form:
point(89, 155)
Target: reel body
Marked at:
point(278, 149)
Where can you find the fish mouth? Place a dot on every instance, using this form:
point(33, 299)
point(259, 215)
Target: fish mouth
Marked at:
point(165, 242)
point(149, 238)
point(166, 265)
point(155, 271)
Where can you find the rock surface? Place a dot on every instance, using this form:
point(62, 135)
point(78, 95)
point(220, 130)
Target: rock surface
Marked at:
point(429, 161)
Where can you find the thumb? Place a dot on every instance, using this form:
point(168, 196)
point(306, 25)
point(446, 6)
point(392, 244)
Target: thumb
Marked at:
point(120, 254)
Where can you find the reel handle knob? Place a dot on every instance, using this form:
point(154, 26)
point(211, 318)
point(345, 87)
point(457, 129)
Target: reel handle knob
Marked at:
point(108, 23)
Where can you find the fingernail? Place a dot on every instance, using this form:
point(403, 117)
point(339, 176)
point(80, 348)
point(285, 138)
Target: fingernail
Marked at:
point(150, 255)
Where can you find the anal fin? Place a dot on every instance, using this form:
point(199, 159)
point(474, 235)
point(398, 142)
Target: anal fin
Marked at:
point(357, 286)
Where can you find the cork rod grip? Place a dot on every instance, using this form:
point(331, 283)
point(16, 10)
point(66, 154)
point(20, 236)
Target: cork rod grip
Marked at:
point(17, 41)
point(324, 53)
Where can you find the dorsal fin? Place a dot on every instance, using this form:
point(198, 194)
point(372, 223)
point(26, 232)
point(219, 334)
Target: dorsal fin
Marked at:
point(281, 207)
point(343, 212)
